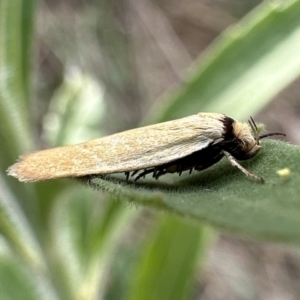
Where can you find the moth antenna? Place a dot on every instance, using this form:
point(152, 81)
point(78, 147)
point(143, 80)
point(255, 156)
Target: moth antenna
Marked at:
point(254, 129)
point(253, 122)
point(271, 134)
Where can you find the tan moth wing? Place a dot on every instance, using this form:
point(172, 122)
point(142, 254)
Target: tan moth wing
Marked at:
point(123, 152)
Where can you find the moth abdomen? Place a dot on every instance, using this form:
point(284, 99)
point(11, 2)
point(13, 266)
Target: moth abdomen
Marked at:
point(199, 161)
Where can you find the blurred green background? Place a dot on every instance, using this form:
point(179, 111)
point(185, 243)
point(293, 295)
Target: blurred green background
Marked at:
point(73, 70)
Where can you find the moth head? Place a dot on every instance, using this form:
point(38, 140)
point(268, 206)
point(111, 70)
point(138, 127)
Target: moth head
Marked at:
point(247, 139)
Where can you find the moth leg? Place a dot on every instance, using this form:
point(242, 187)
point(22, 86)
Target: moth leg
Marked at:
point(127, 174)
point(179, 171)
point(160, 173)
point(154, 172)
point(234, 163)
point(134, 172)
point(143, 174)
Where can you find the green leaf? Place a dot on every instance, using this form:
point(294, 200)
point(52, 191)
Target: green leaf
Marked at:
point(15, 134)
point(223, 197)
point(243, 69)
point(15, 41)
point(167, 262)
point(238, 75)
point(12, 276)
point(71, 118)
point(84, 233)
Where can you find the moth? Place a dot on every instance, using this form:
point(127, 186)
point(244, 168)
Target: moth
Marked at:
point(192, 143)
